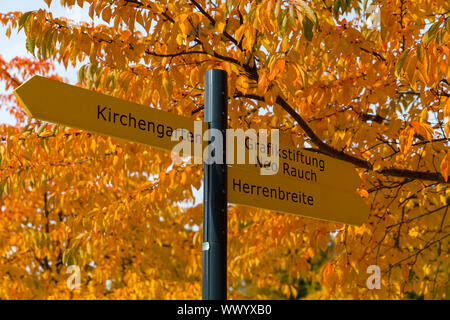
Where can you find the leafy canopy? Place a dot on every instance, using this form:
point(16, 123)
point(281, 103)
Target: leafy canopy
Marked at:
point(377, 98)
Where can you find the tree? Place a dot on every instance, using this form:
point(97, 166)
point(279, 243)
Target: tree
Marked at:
point(376, 98)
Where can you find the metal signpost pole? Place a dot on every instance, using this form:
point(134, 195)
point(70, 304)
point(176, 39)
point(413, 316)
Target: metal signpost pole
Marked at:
point(214, 282)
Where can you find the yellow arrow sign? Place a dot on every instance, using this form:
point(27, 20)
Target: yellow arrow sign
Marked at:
point(57, 102)
point(307, 184)
point(296, 197)
point(298, 164)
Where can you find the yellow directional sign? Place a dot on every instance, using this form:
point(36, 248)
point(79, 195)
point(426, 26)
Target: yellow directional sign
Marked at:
point(249, 188)
point(306, 183)
point(57, 102)
point(298, 164)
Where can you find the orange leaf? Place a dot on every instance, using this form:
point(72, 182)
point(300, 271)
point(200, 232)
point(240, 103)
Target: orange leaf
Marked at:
point(277, 69)
point(183, 178)
point(416, 126)
point(363, 193)
point(447, 106)
point(262, 82)
point(445, 165)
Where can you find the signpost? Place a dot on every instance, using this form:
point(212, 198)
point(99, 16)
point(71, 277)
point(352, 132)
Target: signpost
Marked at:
point(299, 175)
point(72, 106)
point(287, 195)
point(301, 165)
point(214, 286)
point(305, 183)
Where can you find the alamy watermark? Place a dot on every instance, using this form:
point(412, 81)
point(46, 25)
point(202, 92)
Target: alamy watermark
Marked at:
point(74, 280)
point(374, 19)
point(240, 145)
point(374, 280)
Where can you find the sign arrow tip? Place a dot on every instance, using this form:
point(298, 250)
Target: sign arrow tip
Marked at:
point(24, 91)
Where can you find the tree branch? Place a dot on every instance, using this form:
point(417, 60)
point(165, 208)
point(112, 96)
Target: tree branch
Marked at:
point(334, 153)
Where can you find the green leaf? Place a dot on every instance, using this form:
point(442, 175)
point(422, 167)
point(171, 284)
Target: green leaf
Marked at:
point(431, 33)
point(126, 82)
point(439, 35)
point(400, 62)
point(93, 67)
point(344, 5)
point(110, 82)
point(42, 51)
point(26, 128)
point(336, 6)
point(47, 44)
point(41, 128)
point(23, 20)
point(308, 29)
point(30, 45)
point(284, 23)
point(81, 74)
point(97, 80)
point(309, 12)
point(419, 52)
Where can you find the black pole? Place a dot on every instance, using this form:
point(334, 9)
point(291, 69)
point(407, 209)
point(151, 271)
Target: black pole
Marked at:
point(214, 285)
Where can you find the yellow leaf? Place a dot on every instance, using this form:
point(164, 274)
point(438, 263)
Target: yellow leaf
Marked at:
point(166, 86)
point(447, 129)
point(93, 146)
point(220, 26)
point(269, 97)
point(240, 32)
point(424, 115)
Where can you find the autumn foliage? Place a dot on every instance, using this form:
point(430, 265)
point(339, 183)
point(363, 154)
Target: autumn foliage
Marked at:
point(377, 98)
